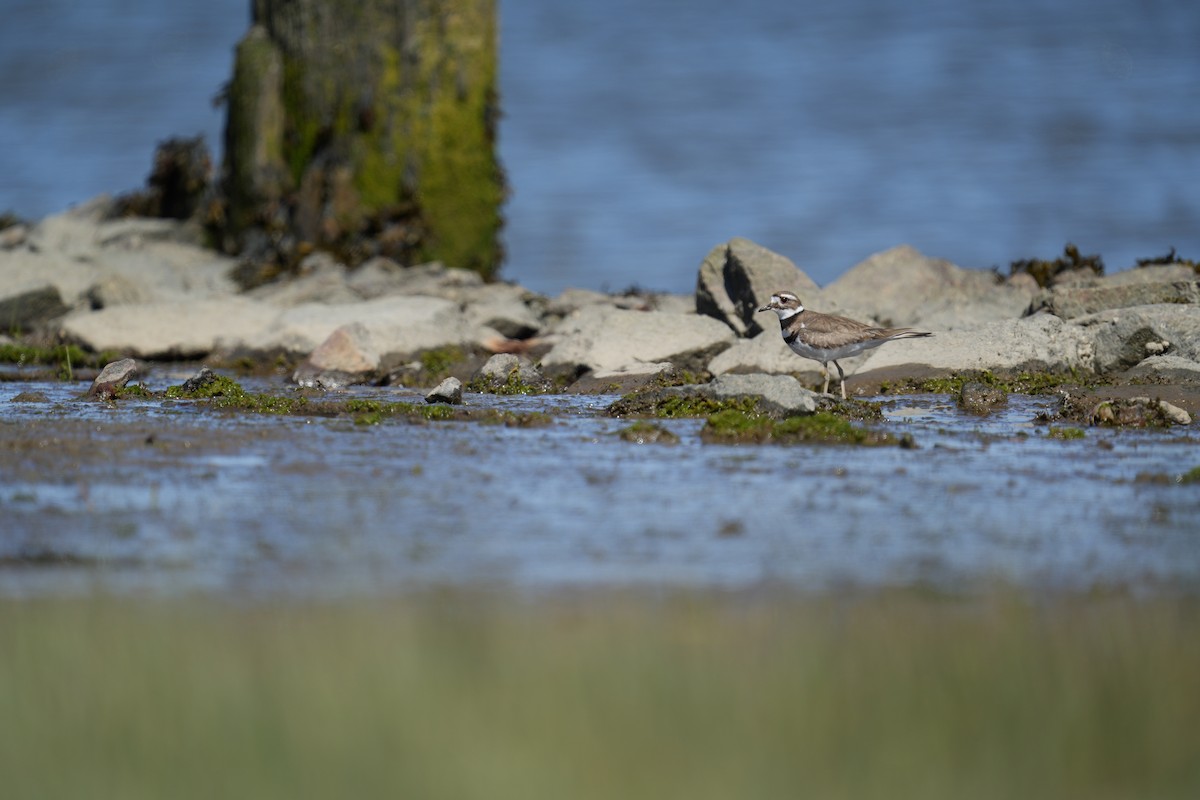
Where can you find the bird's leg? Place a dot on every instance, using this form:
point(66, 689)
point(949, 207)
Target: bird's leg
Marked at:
point(825, 372)
point(841, 378)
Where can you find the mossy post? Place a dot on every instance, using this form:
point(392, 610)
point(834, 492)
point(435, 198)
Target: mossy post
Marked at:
point(367, 126)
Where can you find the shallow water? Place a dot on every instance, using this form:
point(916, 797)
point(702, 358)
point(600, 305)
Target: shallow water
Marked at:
point(167, 497)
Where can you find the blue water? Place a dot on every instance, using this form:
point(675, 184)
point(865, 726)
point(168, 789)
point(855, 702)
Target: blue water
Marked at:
point(639, 133)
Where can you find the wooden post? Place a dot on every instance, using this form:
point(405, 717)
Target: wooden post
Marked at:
point(367, 126)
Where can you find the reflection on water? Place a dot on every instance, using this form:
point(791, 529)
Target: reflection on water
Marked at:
point(160, 496)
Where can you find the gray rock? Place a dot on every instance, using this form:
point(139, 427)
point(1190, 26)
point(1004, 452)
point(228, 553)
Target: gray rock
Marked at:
point(571, 300)
point(13, 236)
point(167, 330)
point(112, 378)
point(117, 290)
point(598, 337)
point(738, 277)
point(1157, 273)
point(902, 287)
point(979, 398)
point(1166, 368)
point(504, 369)
point(776, 395)
point(768, 353)
point(381, 277)
point(1042, 342)
point(398, 325)
point(779, 394)
point(505, 308)
point(347, 357)
point(1123, 338)
point(376, 277)
point(1132, 412)
point(26, 310)
point(623, 380)
point(448, 391)
point(79, 251)
point(1070, 302)
point(321, 280)
point(1173, 413)
point(203, 377)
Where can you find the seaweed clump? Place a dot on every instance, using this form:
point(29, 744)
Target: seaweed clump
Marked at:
point(1028, 383)
point(1046, 272)
point(223, 393)
point(666, 405)
point(1116, 412)
point(643, 432)
point(732, 426)
point(1167, 259)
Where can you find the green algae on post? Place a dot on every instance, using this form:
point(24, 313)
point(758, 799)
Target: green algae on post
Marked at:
point(368, 121)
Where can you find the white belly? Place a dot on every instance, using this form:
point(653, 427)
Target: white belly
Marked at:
point(835, 353)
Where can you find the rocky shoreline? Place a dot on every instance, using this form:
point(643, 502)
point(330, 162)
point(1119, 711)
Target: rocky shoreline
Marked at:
point(149, 289)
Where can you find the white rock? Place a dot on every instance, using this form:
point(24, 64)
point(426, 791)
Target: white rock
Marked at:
point(738, 277)
point(171, 329)
point(1167, 367)
point(600, 337)
point(768, 353)
point(448, 391)
point(1121, 335)
point(901, 287)
point(779, 393)
point(1038, 342)
point(396, 324)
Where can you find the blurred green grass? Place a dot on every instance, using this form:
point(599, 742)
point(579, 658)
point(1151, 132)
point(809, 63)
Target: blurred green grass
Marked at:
point(698, 696)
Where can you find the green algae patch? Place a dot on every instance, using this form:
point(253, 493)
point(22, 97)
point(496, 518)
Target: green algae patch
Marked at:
point(1113, 412)
point(1027, 383)
point(438, 363)
point(1066, 433)
point(663, 405)
point(732, 426)
point(512, 385)
point(221, 393)
point(645, 432)
point(1191, 476)
point(205, 386)
point(66, 358)
point(133, 391)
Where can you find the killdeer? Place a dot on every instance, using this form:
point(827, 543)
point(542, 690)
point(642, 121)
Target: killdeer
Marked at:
point(825, 337)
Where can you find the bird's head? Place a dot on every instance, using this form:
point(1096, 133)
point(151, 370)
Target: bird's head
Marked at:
point(784, 304)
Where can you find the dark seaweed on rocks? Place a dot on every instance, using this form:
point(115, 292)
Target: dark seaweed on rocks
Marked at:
point(1168, 258)
point(1047, 272)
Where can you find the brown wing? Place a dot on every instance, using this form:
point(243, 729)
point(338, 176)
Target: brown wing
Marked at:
point(829, 332)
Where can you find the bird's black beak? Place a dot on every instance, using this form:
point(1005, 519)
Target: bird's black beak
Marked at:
point(765, 308)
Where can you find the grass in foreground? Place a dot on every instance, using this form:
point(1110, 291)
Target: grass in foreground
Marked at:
point(450, 697)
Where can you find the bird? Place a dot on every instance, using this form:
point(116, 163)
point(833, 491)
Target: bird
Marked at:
point(827, 337)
